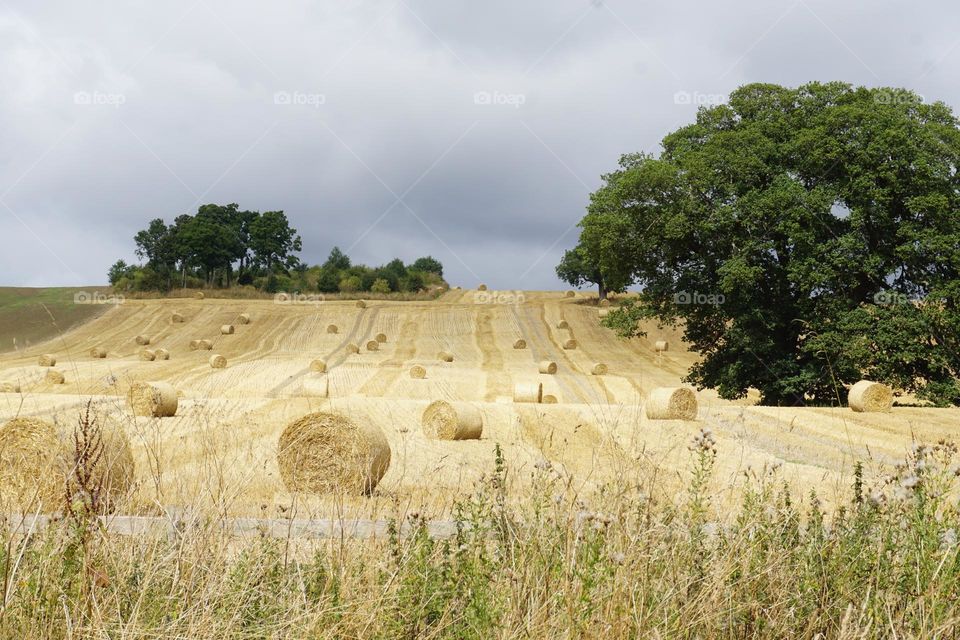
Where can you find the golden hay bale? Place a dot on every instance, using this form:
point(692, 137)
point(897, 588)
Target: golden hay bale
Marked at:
point(176, 318)
point(227, 329)
point(445, 356)
point(866, 396)
point(352, 348)
point(142, 340)
point(316, 386)
point(217, 361)
point(604, 303)
point(243, 318)
point(599, 369)
point(148, 355)
point(332, 328)
point(162, 354)
point(318, 365)
point(47, 360)
point(98, 352)
point(417, 372)
point(570, 344)
point(482, 287)
point(519, 343)
point(549, 399)
point(547, 366)
point(361, 304)
point(194, 345)
point(54, 377)
point(443, 420)
point(528, 392)
point(569, 294)
point(9, 387)
point(671, 403)
point(373, 345)
point(563, 325)
point(152, 399)
point(199, 295)
point(37, 459)
point(603, 313)
point(381, 338)
point(330, 453)
point(204, 345)
point(661, 345)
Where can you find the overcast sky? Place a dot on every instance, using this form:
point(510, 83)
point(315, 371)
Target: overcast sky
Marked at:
point(470, 131)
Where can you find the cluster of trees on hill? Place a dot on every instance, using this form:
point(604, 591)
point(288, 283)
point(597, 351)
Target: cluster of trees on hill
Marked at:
point(806, 238)
point(222, 246)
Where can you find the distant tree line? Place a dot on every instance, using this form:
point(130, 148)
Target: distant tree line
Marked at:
point(223, 246)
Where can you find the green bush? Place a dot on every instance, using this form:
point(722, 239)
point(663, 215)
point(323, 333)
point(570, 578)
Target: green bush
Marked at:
point(380, 285)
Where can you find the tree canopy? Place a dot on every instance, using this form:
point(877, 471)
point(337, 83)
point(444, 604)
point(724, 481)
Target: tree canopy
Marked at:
point(805, 238)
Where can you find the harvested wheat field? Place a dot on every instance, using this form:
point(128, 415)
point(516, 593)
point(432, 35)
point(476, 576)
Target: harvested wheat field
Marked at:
point(219, 446)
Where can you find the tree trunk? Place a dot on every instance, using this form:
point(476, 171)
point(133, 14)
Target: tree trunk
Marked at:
point(602, 289)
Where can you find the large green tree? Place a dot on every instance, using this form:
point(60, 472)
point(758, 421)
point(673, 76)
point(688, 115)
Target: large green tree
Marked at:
point(804, 238)
point(273, 241)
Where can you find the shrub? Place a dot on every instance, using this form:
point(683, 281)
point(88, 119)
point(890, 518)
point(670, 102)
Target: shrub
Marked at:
point(380, 285)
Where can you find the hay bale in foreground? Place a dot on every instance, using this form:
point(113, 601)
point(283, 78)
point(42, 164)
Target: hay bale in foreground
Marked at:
point(867, 397)
point(194, 345)
point(243, 318)
point(176, 318)
point(599, 369)
point(54, 377)
point(443, 420)
point(519, 343)
point(162, 354)
point(98, 352)
point(604, 303)
point(361, 304)
point(482, 287)
point(152, 399)
point(549, 399)
point(217, 361)
point(318, 365)
point(142, 340)
point(671, 403)
point(47, 360)
point(352, 348)
point(563, 324)
point(528, 392)
point(548, 367)
point(570, 344)
point(199, 295)
point(9, 387)
point(148, 355)
point(445, 356)
point(330, 453)
point(332, 328)
point(661, 345)
point(204, 345)
point(418, 372)
point(381, 338)
point(373, 345)
point(227, 329)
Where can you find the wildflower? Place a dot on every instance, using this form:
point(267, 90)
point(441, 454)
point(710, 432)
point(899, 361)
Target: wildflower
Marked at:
point(543, 465)
point(876, 498)
point(910, 482)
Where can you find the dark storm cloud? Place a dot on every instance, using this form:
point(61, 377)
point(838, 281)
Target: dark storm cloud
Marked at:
point(492, 122)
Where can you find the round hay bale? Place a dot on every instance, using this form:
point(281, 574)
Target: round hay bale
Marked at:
point(332, 328)
point(243, 318)
point(217, 361)
point(604, 303)
point(194, 345)
point(47, 360)
point(569, 294)
point(361, 304)
point(373, 345)
point(98, 352)
point(176, 318)
point(9, 387)
point(148, 355)
point(162, 354)
point(548, 367)
point(330, 453)
point(318, 365)
point(671, 403)
point(570, 344)
point(205, 345)
point(381, 338)
point(528, 392)
point(142, 340)
point(549, 399)
point(317, 386)
point(482, 287)
point(54, 377)
point(417, 372)
point(563, 325)
point(445, 356)
point(152, 399)
point(227, 329)
point(661, 345)
point(199, 295)
point(519, 343)
point(867, 396)
point(37, 459)
point(603, 313)
point(599, 369)
point(352, 348)
point(443, 420)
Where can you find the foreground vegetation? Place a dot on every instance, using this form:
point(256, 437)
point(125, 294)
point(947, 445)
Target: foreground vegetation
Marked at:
point(629, 561)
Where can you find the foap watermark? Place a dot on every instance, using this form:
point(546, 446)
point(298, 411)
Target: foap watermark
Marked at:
point(699, 99)
point(99, 99)
point(498, 297)
point(499, 98)
point(96, 297)
point(300, 98)
point(891, 298)
point(886, 96)
point(299, 298)
point(686, 297)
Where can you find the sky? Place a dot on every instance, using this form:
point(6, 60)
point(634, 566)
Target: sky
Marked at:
point(470, 131)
